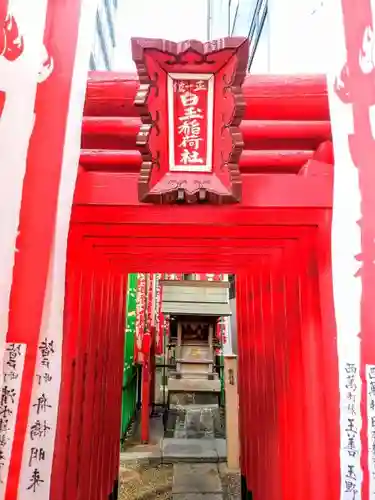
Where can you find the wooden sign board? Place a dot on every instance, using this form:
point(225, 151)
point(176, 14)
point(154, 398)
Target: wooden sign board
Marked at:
point(191, 106)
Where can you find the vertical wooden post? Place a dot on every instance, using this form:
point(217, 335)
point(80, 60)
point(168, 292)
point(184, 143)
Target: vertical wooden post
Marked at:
point(145, 411)
point(152, 368)
point(231, 411)
point(179, 343)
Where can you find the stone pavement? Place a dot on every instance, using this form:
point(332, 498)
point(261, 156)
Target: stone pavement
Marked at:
point(197, 466)
point(173, 450)
point(196, 481)
point(177, 468)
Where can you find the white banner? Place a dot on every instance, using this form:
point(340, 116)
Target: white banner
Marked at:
point(35, 479)
point(370, 382)
point(21, 61)
point(347, 285)
point(13, 363)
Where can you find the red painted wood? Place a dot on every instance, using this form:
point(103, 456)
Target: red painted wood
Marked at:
point(88, 415)
point(329, 353)
point(114, 253)
point(275, 432)
point(104, 431)
point(119, 133)
point(240, 378)
point(195, 222)
point(294, 425)
point(251, 161)
point(286, 97)
point(314, 378)
point(103, 188)
point(276, 225)
point(293, 387)
point(118, 379)
point(78, 387)
point(281, 366)
point(71, 326)
point(122, 243)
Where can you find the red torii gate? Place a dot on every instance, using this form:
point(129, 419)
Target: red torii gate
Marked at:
point(282, 216)
point(286, 164)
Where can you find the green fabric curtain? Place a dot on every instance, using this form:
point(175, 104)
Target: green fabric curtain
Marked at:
point(129, 388)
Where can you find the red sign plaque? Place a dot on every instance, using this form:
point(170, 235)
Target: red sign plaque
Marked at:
point(191, 106)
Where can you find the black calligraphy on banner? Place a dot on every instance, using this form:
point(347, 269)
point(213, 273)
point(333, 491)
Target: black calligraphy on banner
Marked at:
point(39, 430)
point(13, 362)
point(37, 454)
point(351, 441)
point(13, 352)
point(46, 351)
point(370, 381)
point(35, 481)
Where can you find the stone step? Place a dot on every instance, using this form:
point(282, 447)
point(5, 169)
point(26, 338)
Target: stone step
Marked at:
point(193, 361)
point(195, 375)
point(177, 399)
point(194, 343)
point(197, 496)
point(193, 385)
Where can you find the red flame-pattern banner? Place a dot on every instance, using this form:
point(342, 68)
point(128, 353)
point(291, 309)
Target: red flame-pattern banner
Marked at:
point(159, 322)
point(11, 42)
point(140, 321)
point(150, 314)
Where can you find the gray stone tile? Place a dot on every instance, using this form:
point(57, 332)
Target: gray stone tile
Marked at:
point(196, 478)
point(221, 449)
point(198, 496)
point(143, 455)
point(189, 450)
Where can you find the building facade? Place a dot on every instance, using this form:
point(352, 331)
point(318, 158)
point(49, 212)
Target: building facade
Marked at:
point(248, 18)
point(105, 36)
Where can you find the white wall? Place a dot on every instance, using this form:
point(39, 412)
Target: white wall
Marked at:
point(170, 19)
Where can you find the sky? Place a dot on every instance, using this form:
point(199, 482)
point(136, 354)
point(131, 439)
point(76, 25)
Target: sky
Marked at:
point(172, 19)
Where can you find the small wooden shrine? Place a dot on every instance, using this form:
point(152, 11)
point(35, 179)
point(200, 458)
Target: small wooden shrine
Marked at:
point(195, 307)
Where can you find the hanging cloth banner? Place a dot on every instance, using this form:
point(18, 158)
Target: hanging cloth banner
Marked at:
point(130, 322)
point(140, 315)
point(150, 313)
point(13, 365)
point(159, 319)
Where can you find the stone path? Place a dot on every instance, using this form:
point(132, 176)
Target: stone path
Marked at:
point(196, 482)
point(146, 475)
point(177, 468)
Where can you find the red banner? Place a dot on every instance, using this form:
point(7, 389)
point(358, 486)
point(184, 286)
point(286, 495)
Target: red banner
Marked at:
point(140, 316)
point(159, 320)
point(147, 340)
